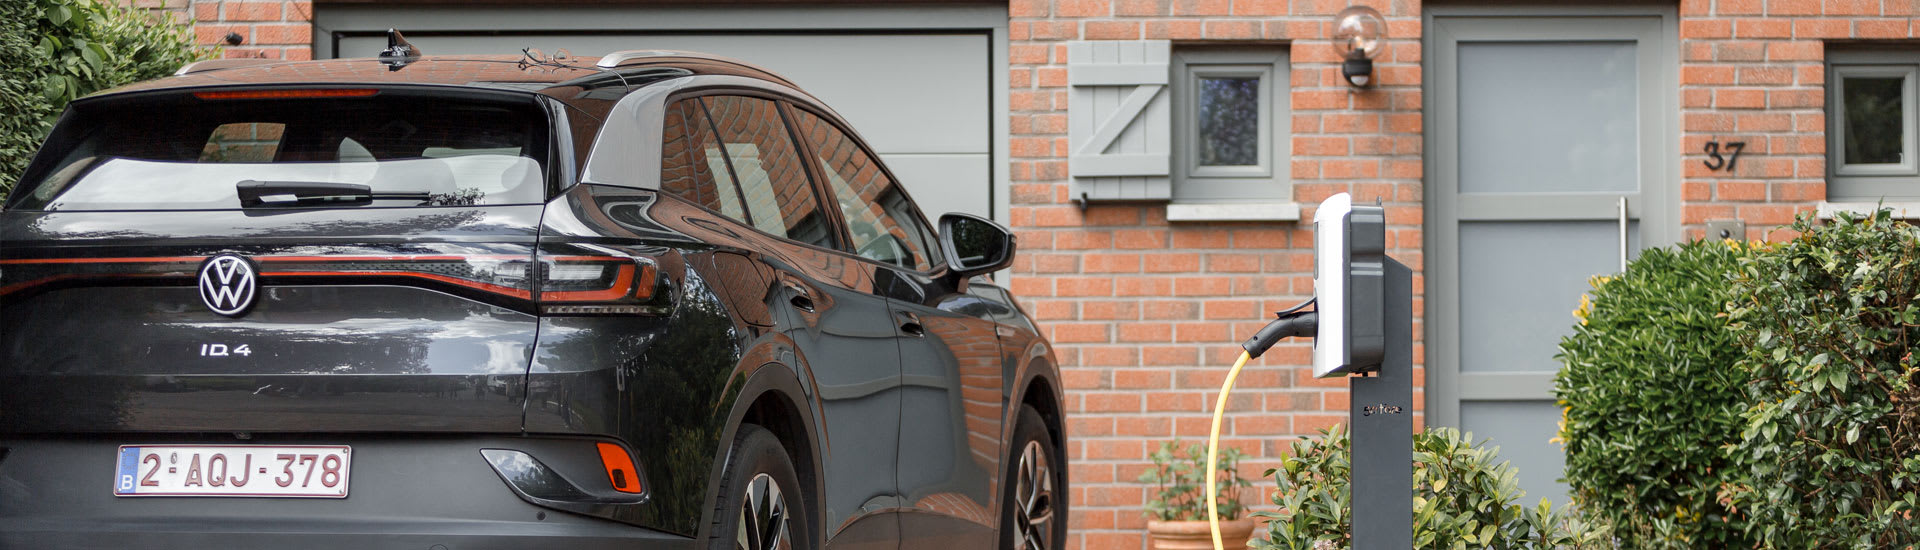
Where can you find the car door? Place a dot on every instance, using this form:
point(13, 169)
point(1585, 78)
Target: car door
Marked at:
point(951, 395)
point(827, 304)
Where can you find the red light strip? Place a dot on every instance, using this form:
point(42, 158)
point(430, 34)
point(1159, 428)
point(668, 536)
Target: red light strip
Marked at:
point(476, 285)
point(286, 94)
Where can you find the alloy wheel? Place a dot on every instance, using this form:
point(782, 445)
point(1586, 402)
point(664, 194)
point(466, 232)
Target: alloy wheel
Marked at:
point(1033, 499)
point(763, 517)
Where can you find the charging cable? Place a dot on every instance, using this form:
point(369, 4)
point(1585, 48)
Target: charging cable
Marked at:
point(1289, 323)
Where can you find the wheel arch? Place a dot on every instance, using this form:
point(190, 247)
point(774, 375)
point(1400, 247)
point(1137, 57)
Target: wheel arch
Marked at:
point(773, 398)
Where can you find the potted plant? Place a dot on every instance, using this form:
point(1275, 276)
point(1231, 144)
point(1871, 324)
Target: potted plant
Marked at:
point(1177, 512)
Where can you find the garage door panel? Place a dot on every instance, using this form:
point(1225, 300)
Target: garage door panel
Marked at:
point(945, 183)
point(904, 93)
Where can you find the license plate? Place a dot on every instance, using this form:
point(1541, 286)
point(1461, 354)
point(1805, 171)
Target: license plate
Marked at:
point(286, 471)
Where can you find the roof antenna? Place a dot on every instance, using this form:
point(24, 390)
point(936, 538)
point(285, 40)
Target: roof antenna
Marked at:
point(399, 51)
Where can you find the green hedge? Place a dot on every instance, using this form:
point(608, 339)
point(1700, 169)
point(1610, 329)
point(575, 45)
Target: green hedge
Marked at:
point(59, 50)
point(1652, 397)
point(1463, 497)
point(1830, 323)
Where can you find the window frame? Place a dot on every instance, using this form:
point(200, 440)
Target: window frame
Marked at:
point(1856, 182)
point(1270, 180)
point(936, 259)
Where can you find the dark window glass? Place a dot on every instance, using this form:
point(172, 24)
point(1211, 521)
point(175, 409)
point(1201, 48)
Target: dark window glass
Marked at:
point(691, 164)
point(773, 182)
point(182, 153)
point(1874, 117)
point(1229, 121)
point(882, 225)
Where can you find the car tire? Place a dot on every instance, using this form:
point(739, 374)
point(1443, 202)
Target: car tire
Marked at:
point(759, 506)
point(1033, 513)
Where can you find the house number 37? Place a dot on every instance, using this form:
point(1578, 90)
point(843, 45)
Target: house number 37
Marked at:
point(1717, 161)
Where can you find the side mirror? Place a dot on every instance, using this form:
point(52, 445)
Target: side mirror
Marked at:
point(975, 245)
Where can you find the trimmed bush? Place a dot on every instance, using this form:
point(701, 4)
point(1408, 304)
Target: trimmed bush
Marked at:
point(1463, 497)
point(1830, 323)
point(60, 50)
point(1652, 397)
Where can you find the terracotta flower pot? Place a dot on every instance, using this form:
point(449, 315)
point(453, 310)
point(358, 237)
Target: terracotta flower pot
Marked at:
point(1196, 535)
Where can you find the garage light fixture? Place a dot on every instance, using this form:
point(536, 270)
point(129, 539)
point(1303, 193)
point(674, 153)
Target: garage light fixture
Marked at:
point(1358, 32)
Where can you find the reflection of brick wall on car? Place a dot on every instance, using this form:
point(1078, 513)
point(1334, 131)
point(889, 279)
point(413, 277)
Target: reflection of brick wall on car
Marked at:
point(851, 172)
point(684, 171)
point(243, 142)
point(771, 176)
point(976, 349)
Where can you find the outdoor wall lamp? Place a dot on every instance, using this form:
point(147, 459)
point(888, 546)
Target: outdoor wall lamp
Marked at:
point(1357, 32)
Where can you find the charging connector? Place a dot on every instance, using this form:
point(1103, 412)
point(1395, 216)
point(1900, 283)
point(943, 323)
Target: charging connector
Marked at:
point(1290, 323)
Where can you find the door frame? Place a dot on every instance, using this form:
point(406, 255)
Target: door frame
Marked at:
point(1660, 166)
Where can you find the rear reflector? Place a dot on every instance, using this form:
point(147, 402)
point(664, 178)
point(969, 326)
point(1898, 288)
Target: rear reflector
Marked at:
point(619, 468)
point(286, 94)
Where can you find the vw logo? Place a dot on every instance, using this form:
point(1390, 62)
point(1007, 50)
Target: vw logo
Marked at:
point(227, 285)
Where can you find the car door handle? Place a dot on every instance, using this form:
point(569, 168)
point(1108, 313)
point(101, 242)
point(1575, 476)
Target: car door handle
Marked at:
point(801, 298)
point(910, 324)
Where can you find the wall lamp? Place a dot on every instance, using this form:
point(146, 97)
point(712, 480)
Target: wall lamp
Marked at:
point(1358, 32)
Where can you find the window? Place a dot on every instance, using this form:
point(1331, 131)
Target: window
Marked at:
point(1230, 126)
point(690, 158)
point(1870, 125)
point(773, 183)
point(882, 223)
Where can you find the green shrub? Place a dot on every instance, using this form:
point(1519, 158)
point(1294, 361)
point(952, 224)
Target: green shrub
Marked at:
point(59, 50)
point(1652, 397)
point(1830, 323)
point(1463, 497)
point(1180, 483)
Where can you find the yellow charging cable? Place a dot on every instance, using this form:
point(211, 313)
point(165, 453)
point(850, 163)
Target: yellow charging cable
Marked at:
point(1213, 451)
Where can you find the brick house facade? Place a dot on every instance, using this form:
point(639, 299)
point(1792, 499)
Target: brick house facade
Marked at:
point(1145, 313)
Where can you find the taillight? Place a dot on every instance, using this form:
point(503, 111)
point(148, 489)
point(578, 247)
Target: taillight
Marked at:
point(599, 285)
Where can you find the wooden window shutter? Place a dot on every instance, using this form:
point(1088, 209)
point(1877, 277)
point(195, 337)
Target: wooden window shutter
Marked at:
point(1118, 119)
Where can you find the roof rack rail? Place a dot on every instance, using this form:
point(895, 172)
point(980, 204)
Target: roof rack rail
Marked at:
point(218, 64)
point(623, 57)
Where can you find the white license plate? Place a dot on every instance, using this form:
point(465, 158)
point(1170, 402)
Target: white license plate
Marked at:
point(285, 471)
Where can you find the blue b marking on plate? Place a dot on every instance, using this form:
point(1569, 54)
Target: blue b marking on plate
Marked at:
point(123, 480)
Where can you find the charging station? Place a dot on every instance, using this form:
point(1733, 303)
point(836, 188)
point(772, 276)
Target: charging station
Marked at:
point(1365, 332)
point(1362, 324)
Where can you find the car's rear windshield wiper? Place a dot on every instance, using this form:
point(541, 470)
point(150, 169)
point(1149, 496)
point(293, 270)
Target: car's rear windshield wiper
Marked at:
point(288, 193)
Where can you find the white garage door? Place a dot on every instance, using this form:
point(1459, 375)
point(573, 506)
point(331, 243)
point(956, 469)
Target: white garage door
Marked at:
point(919, 85)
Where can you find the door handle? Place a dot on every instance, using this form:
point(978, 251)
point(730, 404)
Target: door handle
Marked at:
point(1623, 234)
point(910, 324)
point(801, 298)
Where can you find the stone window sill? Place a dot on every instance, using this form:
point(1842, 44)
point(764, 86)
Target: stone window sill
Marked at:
point(1234, 212)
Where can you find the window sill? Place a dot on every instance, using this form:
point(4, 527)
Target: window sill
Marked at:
point(1905, 210)
point(1234, 212)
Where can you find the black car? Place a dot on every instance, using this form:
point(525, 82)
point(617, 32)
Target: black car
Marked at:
point(650, 300)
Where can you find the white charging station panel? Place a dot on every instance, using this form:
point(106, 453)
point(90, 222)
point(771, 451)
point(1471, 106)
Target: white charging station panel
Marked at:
point(1349, 254)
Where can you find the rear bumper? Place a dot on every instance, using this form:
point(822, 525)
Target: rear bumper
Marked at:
point(295, 534)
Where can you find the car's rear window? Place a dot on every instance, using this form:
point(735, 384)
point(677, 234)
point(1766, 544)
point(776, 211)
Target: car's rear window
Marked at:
point(387, 150)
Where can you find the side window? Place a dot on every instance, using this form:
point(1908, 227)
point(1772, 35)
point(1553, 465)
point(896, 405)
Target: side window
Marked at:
point(691, 165)
point(773, 182)
point(882, 225)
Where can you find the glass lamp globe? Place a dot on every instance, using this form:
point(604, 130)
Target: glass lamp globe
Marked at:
point(1357, 32)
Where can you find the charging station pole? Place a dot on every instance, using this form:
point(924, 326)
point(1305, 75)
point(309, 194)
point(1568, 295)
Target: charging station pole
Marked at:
point(1382, 427)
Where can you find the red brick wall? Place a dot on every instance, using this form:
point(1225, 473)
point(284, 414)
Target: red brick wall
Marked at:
point(1754, 71)
point(270, 29)
point(1146, 315)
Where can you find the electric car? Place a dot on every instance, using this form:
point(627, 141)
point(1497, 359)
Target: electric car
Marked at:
point(650, 300)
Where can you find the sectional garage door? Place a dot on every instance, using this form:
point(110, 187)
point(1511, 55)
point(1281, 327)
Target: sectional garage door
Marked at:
point(920, 85)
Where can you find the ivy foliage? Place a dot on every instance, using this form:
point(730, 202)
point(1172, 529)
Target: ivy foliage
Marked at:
point(1829, 322)
point(55, 51)
point(1180, 483)
point(1463, 497)
point(1651, 399)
